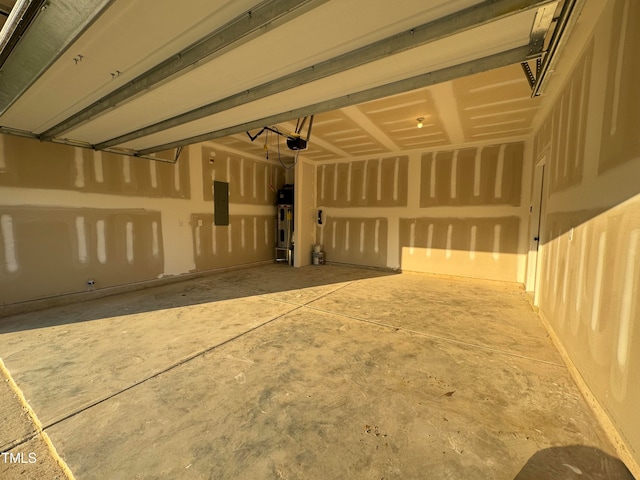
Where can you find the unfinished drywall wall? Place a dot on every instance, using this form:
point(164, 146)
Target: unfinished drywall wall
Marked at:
point(482, 247)
point(380, 182)
point(589, 279)
point(357, 241)
point(490, 175)
point(480, 235)
point(69, 214)
point(251, 181)
point(247, 239)
point(351, 196)
point(27, 163)
point(304, 212)
point(45, 250)
point(253, 187)
point(456, 211)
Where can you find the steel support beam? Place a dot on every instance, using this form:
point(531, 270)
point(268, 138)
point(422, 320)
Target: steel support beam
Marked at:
point(264, 16)
point(491, 62)
point(73, 143)
point(56, 27)
point(469, 18)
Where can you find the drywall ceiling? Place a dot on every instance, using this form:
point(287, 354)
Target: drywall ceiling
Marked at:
point(142, 77)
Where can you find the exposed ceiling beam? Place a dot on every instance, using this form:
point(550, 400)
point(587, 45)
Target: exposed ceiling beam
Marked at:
point(445, 100)
point(56, 26)
point(263, 17)
point(490, 62)
point(455, 23)
point(369, 127)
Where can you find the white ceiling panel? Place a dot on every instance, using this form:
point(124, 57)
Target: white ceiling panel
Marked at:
point(320, 34)
point(262, 62)
point(470, 45)
point(130, 37)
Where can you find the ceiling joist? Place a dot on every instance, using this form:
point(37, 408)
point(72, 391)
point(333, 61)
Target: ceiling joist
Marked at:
point(267, 14)
point(229, 67)
point(472, 17)
point(490, 62)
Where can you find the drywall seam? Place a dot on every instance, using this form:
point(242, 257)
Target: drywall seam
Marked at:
point(434, 212)
point(426, 150)
point(600, 413)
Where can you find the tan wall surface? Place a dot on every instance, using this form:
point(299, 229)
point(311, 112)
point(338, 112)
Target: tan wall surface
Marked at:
point(52, 251)
point(457, 212)
point(357, 241)
point(247, 239)
point(250, 181)
point(68, 214)
point(476, 247)
point(304, 212)
point(589, 287)
point(372, 183)
point(26, 163)
point(472, 176)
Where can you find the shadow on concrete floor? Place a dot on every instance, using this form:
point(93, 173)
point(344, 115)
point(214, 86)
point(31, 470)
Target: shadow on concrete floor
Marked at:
point(217, 287)
point(573, 462)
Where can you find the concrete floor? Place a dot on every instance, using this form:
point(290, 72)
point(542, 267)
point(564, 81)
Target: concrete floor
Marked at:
point(313, 373)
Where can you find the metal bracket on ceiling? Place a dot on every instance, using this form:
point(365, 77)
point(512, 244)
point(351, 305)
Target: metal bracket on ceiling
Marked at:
point(531, 78)
point(295, 141)
point(555, 39)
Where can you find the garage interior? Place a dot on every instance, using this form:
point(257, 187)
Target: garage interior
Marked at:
point(463, 173)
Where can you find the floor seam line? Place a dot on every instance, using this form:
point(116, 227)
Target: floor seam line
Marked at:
point(286, 302)
point(438, 337)
point(36, 423)
point(161, 372)
point(188, 359)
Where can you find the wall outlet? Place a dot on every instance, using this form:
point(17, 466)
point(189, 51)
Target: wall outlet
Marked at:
point(571, 234)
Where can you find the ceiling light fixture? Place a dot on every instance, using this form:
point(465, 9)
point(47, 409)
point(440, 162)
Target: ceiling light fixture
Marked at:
point(420, 124)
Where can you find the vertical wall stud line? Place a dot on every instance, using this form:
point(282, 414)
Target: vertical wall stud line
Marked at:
point(476, 172)
point(153, 173)
point(79, 165)
point(497, 192)
point(101, 245)
point(97, 166)
point(432, 177)
point(396, 178)
point(597, 287)
point(618, 76)
point(376, 247)
point(626, 307)
point(472, 243)
point(126, 169)
point(379, 182)
point(496, 241)
point(81, 233)
point(8, 238)
point(412, 237)
point(454, 172)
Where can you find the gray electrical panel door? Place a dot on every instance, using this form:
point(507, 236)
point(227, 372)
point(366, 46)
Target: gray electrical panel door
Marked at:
point(220, 203)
